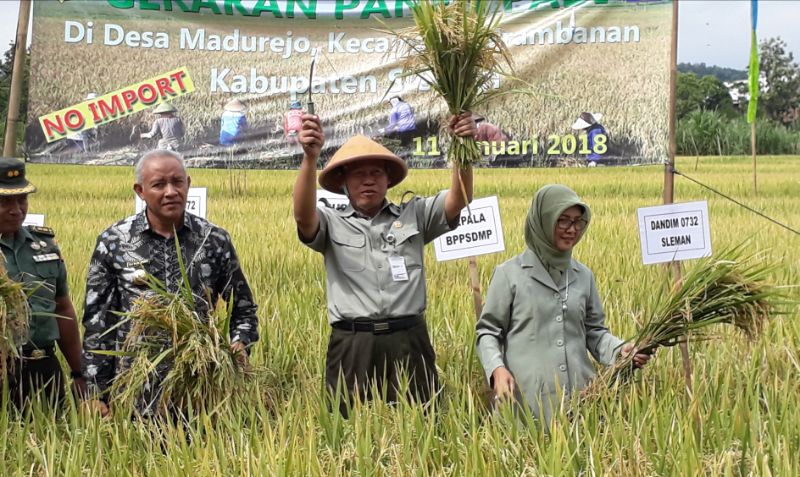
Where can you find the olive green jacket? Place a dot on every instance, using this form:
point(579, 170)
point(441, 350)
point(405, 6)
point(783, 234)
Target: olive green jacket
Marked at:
point(524, 328)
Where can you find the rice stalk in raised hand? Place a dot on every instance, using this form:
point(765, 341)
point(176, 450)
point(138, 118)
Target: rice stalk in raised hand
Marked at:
point(457, 49)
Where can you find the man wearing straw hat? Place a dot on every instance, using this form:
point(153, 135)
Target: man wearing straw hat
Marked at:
point(168, 128)
point(31, 256)
point(234, 123)
point(373, 252)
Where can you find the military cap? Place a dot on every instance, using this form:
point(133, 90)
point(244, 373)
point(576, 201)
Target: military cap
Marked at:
point(12, 177)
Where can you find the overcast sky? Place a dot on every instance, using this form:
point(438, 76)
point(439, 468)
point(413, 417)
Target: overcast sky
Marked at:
point(716, 32)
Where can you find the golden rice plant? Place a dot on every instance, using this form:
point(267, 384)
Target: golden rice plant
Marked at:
point(731, 289)
point(14, 318)
point(203, 371)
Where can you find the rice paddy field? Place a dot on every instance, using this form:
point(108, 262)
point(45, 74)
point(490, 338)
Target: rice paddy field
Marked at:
point(741, 419)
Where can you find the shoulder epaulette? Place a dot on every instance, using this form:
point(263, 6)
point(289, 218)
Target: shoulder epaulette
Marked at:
point(42, 230)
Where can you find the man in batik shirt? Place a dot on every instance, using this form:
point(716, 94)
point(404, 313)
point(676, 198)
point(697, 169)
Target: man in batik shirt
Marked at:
point(145, 243)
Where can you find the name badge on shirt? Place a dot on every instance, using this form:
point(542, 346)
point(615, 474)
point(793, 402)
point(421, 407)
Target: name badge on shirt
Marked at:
point(45, 257)
point(398, 266)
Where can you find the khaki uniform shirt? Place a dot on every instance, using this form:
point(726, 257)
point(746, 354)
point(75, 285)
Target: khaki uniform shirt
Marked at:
point(33, 258)
point(357, 250)
point(524, 328)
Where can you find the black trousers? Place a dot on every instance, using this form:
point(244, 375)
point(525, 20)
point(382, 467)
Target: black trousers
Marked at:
point(37, 379)
point(358, 361)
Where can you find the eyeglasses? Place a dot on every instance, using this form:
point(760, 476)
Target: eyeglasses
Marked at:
point(564, 223)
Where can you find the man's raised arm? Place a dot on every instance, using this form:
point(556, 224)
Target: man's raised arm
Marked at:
point(311, 137)
point(462, 125)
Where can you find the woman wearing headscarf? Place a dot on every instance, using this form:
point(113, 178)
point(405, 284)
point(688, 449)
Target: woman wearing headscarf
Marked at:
point(543, 312)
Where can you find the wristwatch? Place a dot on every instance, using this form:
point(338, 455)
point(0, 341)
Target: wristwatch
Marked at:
point(76, 374)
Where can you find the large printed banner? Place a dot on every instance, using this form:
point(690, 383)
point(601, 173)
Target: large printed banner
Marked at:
point(225, 82)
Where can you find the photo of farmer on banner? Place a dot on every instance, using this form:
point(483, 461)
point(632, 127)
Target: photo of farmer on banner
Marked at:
point(493, 136)
point(589, 123)
point(402, 123)
point(234, 123)
point(167, 128)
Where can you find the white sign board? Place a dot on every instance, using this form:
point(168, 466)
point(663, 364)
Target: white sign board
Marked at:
point(478, 233)
point(336, 201)
point(674, 232)
point(34, 219)
point(195, 202)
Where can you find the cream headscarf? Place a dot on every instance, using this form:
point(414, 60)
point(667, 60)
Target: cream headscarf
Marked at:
point(548, 204)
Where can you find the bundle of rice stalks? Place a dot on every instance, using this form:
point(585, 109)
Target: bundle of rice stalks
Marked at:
point(15, 314)
point(457, 49)
point(188, 356)
point(730, 289)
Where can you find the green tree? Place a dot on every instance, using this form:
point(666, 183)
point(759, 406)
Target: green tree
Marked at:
point(780, 95)
point(724, 74)
point(702, 94)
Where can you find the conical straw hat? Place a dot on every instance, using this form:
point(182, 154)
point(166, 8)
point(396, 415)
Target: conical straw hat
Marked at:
point(586, 119)
point(165, 108)
point(357, 149)
point(235, 106)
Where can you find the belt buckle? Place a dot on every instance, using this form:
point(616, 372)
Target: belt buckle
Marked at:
point(38, 354)
point(380, 327)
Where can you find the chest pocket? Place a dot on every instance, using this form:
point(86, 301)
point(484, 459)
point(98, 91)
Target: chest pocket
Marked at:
point(350, 250)
point(43, 284)
point(408, 244)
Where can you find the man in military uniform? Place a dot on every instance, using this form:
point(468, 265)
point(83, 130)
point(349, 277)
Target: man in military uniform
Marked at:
point(145, 243)
point(373, 253)
point(32, 257)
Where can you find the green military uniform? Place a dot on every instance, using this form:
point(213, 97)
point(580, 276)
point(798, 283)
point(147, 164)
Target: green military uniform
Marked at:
point(31, 256)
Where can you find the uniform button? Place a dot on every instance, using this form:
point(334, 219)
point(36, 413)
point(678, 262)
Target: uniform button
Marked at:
point(563, 367)
point(556, 296)
point(560, 343)
point(558, 318)
point(380, 265)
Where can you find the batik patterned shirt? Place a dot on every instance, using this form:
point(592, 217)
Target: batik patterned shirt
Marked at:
point(130, 247)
